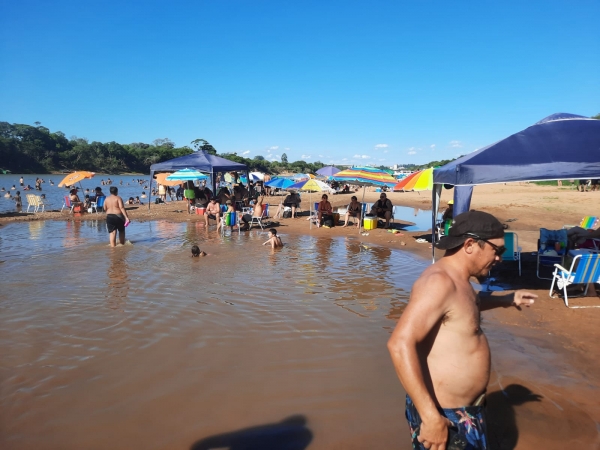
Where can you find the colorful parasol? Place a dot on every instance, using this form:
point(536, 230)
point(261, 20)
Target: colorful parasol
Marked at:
point(281, 183)
point(365, 176)
point(311, 185)
point(75, 177)
point(418, 181)
point(328, 171)
point(187, 175)
point(161, 178)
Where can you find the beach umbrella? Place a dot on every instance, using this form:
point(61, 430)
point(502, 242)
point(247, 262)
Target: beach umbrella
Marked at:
point(365, 176)
point(187, 175)
point(418, 181)
point(161, 178)
point(256, 176)
point(328, 171)
point(75, 177)
point(281, 183)
point(311, 186)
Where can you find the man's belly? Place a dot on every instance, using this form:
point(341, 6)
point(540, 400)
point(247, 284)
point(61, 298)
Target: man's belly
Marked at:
point(459, 369)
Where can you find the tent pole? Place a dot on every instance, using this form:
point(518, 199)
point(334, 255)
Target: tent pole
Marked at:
point(435, 204)
point(150, 189)
point(362, 206)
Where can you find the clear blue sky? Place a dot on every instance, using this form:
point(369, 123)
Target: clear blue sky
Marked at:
point(335, 81)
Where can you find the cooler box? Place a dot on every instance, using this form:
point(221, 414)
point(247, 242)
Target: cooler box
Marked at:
point(230, 218)
point(265, 210)
point(200, 210)
point(370, 223)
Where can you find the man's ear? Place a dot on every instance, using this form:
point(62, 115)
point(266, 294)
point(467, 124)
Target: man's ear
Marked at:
point(469, 245)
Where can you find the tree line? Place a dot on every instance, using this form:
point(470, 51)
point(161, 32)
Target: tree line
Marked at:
point(35, 149)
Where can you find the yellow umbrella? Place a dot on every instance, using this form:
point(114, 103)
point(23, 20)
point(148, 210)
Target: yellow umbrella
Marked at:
point(75, 177)
point(161, 178)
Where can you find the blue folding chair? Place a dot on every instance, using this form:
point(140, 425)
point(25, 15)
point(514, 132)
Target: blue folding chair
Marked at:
point(585, 269)
point(547, 254)
point(513, 251)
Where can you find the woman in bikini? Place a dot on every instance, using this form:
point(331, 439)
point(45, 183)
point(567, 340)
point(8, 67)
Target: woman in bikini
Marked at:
point(353, 211)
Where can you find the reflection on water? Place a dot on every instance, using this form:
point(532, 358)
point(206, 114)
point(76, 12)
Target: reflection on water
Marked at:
point(146, 337)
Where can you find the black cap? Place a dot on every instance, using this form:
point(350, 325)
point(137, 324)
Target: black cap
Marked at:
point(468, 225)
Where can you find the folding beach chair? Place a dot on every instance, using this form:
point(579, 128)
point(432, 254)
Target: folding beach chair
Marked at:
point(67, 204)
point(230, 219)
point(32, 202)
point(587, 223)
point(585, 269)
point(547, 254)
point(98, 204)
point(513, 251)
point(258, 220)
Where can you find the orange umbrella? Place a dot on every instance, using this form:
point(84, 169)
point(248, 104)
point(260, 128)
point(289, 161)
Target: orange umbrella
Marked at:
point(75, 177)
point(161, 178)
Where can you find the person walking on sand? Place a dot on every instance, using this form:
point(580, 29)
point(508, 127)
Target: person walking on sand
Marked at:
point(116, 217)
point(438, 348)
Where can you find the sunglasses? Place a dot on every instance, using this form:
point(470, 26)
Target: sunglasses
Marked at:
point(498, 249)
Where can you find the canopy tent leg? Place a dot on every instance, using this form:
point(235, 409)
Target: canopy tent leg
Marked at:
point(435, 205)
point(150, 189)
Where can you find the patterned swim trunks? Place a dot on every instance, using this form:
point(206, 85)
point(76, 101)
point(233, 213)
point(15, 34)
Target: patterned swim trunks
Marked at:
point(469, 425)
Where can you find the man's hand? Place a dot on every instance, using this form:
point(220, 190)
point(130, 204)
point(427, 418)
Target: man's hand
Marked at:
point(523, 298)
point(433, 434)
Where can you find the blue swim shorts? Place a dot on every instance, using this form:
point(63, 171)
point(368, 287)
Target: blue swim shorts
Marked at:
point(469, 426)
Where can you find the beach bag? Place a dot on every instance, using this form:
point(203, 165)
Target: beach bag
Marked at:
point(328, 221)
point(158, 201)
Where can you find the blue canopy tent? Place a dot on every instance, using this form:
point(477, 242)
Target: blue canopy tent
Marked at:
point(201, 161)
point(561, 146)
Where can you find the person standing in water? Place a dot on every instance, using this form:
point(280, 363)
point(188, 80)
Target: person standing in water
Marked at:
point(116, 217)
point(438, 348)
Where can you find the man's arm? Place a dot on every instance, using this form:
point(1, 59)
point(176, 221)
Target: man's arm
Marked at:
point(122, 208)
point(516, 299)
point(427, 306)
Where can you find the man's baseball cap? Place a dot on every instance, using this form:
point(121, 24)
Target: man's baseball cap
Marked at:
point(471, 224)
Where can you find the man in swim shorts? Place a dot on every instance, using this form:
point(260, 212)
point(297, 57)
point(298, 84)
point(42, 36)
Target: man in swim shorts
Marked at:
point(439, 351)
point(116, 216)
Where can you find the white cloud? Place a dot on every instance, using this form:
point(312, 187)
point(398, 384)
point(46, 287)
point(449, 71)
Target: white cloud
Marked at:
point(321, 156)
point(432, 146)
point(277, 156)
point(385, 151)
point(274, 159)
point(362, 157)
point(344, 159)
point(381, 146)
point(287, 148)
point(246, 152)
point(275, 147)
point(412, 152)
point(304, 157)
point(455, 144)
point(382, 159)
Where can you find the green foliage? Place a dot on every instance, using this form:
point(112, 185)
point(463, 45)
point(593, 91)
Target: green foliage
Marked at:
point(597, 117)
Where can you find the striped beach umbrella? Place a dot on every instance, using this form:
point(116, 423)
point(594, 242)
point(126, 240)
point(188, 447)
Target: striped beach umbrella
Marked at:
point(365, 176)
point(418, 181)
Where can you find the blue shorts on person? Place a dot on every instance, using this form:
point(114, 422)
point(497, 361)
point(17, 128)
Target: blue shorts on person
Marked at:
point(468, 431)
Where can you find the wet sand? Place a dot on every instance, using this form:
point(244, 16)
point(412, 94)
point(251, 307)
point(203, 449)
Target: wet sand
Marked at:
point(543, 392)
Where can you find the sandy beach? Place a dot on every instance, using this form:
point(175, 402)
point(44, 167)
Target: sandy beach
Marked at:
point(556, 343)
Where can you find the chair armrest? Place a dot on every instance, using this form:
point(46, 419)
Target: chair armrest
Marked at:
point(558, 266)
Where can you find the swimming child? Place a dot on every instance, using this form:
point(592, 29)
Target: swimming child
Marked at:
point(17, 199)
point(274, 240)
point(197, 252)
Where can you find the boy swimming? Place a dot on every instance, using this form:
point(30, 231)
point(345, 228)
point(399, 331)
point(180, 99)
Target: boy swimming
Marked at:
point(274, 240)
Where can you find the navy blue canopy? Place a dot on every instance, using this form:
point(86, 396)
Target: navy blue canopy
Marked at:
point(561, 146)
point(200, 160)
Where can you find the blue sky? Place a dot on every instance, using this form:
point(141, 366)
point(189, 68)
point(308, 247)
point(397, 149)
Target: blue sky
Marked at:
point(333, 81)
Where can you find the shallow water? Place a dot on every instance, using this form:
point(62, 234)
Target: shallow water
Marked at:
point(55, 195)
point(144, 347)
point(163, 350)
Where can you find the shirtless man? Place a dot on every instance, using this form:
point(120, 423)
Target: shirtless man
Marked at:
point(116, 216)
point(213, 211)
point(438, 348)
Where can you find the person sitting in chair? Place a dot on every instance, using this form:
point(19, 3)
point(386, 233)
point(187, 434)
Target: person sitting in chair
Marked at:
point(213, 211)
point(353, 211)
point(325, 208)
point(383, 208)
point(74, 198)
point(257, 211)
point(449, 213)
point(291, 201)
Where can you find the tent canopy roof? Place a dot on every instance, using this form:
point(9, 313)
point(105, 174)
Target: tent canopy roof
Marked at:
point(561, 146)
point(200, 160)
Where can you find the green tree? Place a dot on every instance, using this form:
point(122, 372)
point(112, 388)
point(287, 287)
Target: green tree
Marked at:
point(597, 117)
point(284, 158)
point(202, 144)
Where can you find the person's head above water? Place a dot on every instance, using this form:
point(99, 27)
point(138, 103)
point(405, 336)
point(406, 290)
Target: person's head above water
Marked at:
point(195, 251)
point(273, 232)
point(114, 190)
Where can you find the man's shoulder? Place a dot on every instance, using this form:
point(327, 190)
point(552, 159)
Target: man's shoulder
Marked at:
point(435, 275)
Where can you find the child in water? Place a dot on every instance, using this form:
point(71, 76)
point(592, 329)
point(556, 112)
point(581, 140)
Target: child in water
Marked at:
point(197, 252)
point(274, 240)
point(17, 199)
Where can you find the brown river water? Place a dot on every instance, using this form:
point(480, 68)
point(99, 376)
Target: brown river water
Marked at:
point(143, 347)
